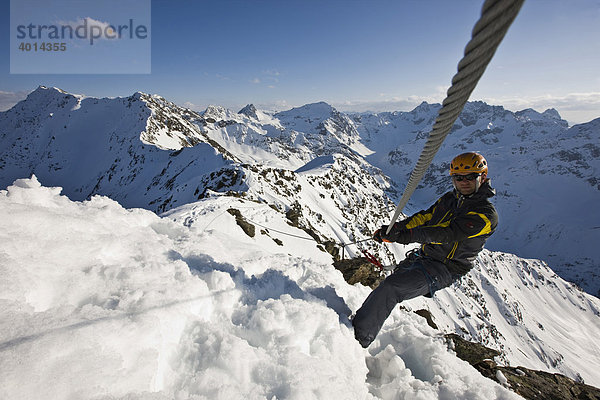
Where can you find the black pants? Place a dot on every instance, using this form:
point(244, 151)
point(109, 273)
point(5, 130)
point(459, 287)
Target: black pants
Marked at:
point(413, 278)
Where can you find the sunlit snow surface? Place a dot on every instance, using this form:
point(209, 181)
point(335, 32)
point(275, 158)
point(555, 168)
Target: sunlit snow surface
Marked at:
point(101, 302)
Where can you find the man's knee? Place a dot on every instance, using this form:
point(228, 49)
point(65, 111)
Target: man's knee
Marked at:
point(439, 274)
point(407, 284)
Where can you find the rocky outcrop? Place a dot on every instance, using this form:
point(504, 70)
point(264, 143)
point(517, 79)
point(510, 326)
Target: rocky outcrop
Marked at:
point(528, 383)
point(359, 270)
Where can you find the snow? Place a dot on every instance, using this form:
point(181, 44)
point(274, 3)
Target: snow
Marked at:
point(522, 308)
point(501, 378)
point(104, 302)
point(189, 306)
point(317, 166)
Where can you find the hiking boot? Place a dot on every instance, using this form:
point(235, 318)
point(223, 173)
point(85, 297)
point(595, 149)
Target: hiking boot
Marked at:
point(364, 341)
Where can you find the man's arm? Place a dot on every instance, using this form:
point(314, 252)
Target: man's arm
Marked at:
point(418, 219)
point(466, 226)
point(415, 220)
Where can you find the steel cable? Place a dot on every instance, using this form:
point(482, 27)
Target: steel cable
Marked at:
point(488, 32)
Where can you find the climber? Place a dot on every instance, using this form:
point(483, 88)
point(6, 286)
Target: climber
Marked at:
point(451, 232)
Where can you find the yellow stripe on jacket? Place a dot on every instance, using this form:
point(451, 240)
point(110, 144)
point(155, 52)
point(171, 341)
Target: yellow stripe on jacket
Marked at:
point(488, 225)
point(418, 220)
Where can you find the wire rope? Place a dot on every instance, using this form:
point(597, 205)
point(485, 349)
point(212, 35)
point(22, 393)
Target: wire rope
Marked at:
point(488, 32)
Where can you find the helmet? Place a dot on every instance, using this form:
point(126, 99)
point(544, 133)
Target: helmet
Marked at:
point(468, 162)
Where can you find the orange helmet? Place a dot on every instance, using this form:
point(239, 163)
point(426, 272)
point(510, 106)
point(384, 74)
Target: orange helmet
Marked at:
point(468, 162)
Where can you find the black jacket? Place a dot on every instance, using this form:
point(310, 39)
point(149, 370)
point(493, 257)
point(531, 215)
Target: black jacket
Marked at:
point(455, 228)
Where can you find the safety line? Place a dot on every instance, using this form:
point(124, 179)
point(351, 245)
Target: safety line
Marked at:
point(278, 231)
point(341, 244)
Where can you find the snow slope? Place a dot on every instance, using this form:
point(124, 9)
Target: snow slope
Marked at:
point(104, 302)
point(99, 301)
point(522, 308)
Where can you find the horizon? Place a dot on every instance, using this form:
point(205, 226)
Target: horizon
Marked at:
point(294, 107)
point(356, 56)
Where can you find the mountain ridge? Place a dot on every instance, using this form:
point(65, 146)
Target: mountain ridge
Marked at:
point(526, 167)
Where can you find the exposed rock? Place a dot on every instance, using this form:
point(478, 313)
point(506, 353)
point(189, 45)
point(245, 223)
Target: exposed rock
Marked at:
point(473, 353)
point(246, 226)
point(359, 270)
point(526, 382)
point(427, 315)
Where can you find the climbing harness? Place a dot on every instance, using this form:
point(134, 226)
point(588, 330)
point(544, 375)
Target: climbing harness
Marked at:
point(496, 18)
point(414, 260)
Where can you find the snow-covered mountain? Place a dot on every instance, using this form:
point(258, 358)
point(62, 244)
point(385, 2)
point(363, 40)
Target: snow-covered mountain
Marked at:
point(300, 183)
point(545, 172)
point(143, 151)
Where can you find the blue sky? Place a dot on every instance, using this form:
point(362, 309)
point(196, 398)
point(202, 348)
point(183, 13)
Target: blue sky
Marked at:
point(377, 55)
point(32, 22)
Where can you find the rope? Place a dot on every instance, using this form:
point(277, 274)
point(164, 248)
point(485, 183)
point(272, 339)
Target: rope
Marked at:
point(373, 260)
point(341, 244)
point(370, 257)
point(280, 232)
point(344, 245)
point(488, 32)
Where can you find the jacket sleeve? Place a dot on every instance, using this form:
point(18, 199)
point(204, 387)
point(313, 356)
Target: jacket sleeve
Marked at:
point(472, 224)
point(418, 219)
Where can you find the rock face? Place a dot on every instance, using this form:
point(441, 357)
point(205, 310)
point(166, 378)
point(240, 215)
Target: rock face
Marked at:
point(528, 383)
point(359, 270)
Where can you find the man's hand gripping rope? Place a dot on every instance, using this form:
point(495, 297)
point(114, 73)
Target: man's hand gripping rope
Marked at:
point(396, 234)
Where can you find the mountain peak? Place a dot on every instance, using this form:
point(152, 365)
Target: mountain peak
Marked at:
point(313, 111)
point(425, 107)
point(528, 113)
point(319, 108)
point(49, 98)
point(218, 113)
point(249, 111)
point(45, 91)
point(552, 113)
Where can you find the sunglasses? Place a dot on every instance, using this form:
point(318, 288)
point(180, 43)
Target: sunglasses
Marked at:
point(470, 177)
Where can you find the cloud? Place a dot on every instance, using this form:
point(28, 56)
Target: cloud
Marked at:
point(270, 78)
point(9, 99)
point(271, 72)
point(194, 107)
point(223, 77)
point(391, 102)
point(277, 105)
point(95, 29)
point(571, 101)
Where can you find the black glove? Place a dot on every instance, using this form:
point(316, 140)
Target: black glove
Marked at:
point(403, 236)
point(380, 235)
point(377, 235)
point(396, 234)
